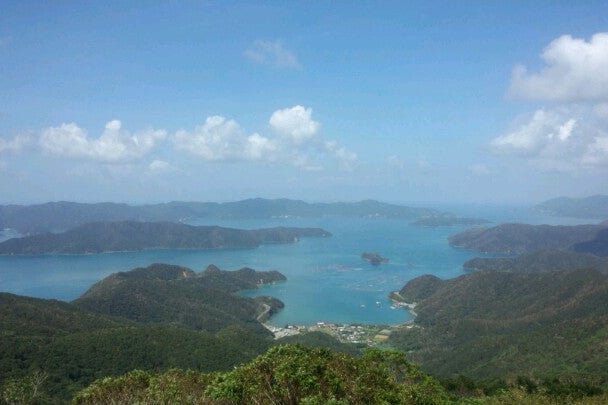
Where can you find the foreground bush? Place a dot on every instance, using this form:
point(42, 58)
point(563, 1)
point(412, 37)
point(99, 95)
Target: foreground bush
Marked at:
point(284, 375)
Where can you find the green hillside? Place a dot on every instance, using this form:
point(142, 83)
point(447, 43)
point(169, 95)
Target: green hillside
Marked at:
point(500, 324)
point(152, 318)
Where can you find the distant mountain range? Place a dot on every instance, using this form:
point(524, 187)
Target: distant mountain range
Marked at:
point(60, 216)
point(101, 237)
point(588, 207)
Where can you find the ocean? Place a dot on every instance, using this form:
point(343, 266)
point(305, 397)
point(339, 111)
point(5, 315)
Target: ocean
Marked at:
point(326, 278)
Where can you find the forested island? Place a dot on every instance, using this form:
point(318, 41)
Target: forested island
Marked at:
point(524, 238)
point(374, 258)
point(540, 262)
point(588, 207)
point(101, 237)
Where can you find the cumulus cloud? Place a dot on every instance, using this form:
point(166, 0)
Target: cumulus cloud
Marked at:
point(564, 138)
point(296, 141)
point(272, 53)
point(295, 123)
point(544, 128)
point(221, 139)
point(114, 144)
point(576, 70)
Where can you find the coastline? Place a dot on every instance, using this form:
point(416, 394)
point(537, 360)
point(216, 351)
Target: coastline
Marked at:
point(369, 334)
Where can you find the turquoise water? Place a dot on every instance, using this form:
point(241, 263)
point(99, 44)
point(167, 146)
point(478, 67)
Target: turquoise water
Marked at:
point(326, 278)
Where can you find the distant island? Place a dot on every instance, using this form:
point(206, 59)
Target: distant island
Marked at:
point(61, 216)
point(589, 207)
point(540, 262)
point(448, 220)
point(374, 258)
point(101, 237)
point(524, 238)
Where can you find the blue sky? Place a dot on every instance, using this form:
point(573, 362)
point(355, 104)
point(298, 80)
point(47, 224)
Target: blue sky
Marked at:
point(472, 101)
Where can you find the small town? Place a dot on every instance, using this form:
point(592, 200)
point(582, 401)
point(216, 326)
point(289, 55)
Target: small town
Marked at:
point(371, 335)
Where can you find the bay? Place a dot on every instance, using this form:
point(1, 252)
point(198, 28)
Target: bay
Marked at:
point(326, 278)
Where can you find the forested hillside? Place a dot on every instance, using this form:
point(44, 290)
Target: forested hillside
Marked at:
point(153, 318)
point(497, 324)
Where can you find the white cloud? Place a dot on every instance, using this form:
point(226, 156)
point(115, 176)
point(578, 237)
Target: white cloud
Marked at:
point(258, 147)
point(217, 139)
point(17, 144)
point(564, 139)
point(296, 142)
point(295, 123)
point(597, 152)
point(159, 166)
point(114, 145)
point(575, 70)
point(272, 53)
point(544, 128)
point(346, 158)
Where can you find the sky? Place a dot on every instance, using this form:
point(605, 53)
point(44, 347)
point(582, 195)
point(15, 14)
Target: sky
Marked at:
point(410, 102)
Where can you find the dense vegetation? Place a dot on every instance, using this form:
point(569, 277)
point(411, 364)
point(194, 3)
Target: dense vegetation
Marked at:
point(524, 238)
point(60, 216)
point(541, 261)
point(499, 324)
point(284, 375)
point(588, 207)
point(100, 237)
point(153, 318)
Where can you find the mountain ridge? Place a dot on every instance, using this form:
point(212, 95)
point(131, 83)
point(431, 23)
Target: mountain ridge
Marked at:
point(63, 215)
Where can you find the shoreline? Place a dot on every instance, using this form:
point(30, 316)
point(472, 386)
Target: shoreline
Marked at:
point(370, 334)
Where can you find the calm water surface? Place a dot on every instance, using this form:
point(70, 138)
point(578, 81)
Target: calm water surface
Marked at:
point(326, 278)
